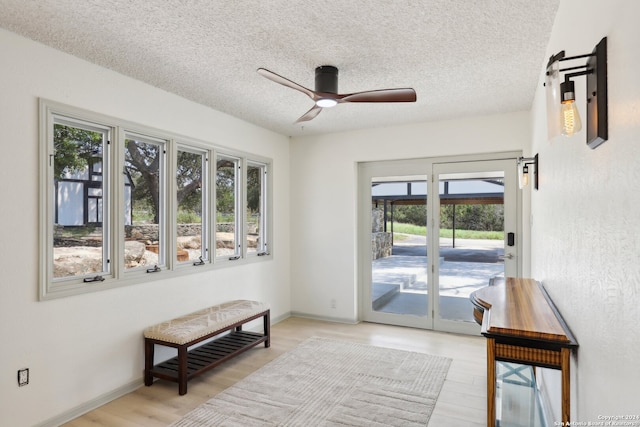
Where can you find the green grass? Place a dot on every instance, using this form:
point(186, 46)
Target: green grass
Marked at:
point(78, 232)
point(473, 234)
point(444, 232)
point(225, 217)
point(188, 217)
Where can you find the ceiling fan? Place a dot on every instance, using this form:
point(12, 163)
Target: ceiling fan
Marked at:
point(326, 93)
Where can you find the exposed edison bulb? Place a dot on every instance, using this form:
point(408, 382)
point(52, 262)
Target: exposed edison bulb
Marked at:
point(570, 118)
point(524, 177)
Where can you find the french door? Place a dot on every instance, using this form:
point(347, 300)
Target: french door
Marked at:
point(464, 230)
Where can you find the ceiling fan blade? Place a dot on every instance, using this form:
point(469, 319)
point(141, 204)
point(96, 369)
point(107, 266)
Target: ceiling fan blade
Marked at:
point(382, 95)
point(312, 113)
point(286, 82)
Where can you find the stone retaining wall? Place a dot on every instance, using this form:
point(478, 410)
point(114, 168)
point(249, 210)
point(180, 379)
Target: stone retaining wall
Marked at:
point(150, 231)
point(380, 245)
point(381, 242)
point(377, 220)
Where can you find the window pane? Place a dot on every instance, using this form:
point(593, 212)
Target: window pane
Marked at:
point(255, 199)
point(78, 208)
point(190, 225)
point(227, 243)
point(144, 205)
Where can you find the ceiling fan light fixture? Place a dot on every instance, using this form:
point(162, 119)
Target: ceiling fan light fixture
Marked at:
point(326, 102)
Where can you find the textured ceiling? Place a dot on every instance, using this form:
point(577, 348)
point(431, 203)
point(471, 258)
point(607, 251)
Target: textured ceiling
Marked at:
point(463, 57)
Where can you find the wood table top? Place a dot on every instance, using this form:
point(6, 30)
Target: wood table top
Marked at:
point(521, 308)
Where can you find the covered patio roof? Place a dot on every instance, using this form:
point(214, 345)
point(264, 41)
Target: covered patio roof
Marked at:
point(455, 191)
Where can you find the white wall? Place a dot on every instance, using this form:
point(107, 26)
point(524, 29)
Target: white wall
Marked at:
point(585, 226)
point(324, 196)
point(79, 348)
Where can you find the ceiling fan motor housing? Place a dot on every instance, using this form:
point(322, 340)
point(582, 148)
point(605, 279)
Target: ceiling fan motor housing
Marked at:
point(327, 79)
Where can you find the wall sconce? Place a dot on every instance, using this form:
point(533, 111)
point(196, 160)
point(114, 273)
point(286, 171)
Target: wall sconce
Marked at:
point(524, 173)
point(562, 114)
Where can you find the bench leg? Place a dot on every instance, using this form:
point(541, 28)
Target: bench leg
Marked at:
point(148, 362)
point(267, 328)
point(182, 370)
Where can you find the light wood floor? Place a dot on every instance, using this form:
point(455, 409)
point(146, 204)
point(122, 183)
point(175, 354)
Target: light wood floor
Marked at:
point(462, 401)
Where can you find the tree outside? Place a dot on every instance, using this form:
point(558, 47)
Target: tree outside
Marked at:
point(475, 217)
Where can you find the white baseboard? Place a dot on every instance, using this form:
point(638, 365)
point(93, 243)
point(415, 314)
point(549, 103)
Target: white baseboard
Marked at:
point(280, 318)
point(324, 318)
point(92, 404)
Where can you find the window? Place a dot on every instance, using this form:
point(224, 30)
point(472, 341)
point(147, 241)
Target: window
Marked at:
point(77, 215)
point(110, 213)
point(191, 219)
point(227, 199)
point(256, 208)
point(144, 168)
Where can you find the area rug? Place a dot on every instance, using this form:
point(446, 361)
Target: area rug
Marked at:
point(325, 382)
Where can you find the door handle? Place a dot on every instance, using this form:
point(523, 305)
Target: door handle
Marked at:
point(508, 256)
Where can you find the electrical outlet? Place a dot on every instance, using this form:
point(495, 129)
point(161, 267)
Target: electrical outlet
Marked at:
point(333, 303)
point(23, 377)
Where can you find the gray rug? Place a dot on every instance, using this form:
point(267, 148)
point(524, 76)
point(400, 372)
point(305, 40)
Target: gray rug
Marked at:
point(324, 382)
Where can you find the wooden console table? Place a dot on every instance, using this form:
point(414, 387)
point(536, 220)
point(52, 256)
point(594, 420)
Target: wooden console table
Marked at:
point(522, 325)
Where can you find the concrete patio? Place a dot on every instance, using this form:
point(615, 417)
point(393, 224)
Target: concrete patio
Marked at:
point(399, 282)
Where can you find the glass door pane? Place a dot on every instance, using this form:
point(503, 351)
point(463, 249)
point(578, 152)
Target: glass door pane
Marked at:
point(476, 207)
point(399, 245)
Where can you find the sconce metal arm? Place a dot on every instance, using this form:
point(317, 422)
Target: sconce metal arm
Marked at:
point(527, 160)
point(562, 70)
point(569, 58)
point(560, 57)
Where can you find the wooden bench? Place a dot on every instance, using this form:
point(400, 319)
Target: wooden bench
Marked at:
point(183, 332)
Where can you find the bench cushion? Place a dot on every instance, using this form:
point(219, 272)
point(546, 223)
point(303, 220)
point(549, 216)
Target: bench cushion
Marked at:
point(190, 327)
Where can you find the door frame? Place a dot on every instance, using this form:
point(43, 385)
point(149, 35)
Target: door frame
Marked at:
point(409, 167)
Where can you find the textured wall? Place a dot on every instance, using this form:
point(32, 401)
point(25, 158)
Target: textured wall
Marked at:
point(585, 223)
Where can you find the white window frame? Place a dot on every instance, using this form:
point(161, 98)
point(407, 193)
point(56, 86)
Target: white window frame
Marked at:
point(114, 199)
point(71, 284)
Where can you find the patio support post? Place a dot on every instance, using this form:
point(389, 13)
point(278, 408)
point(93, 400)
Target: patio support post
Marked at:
point(384, 215)
point(454, 225)
point(392, 208)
